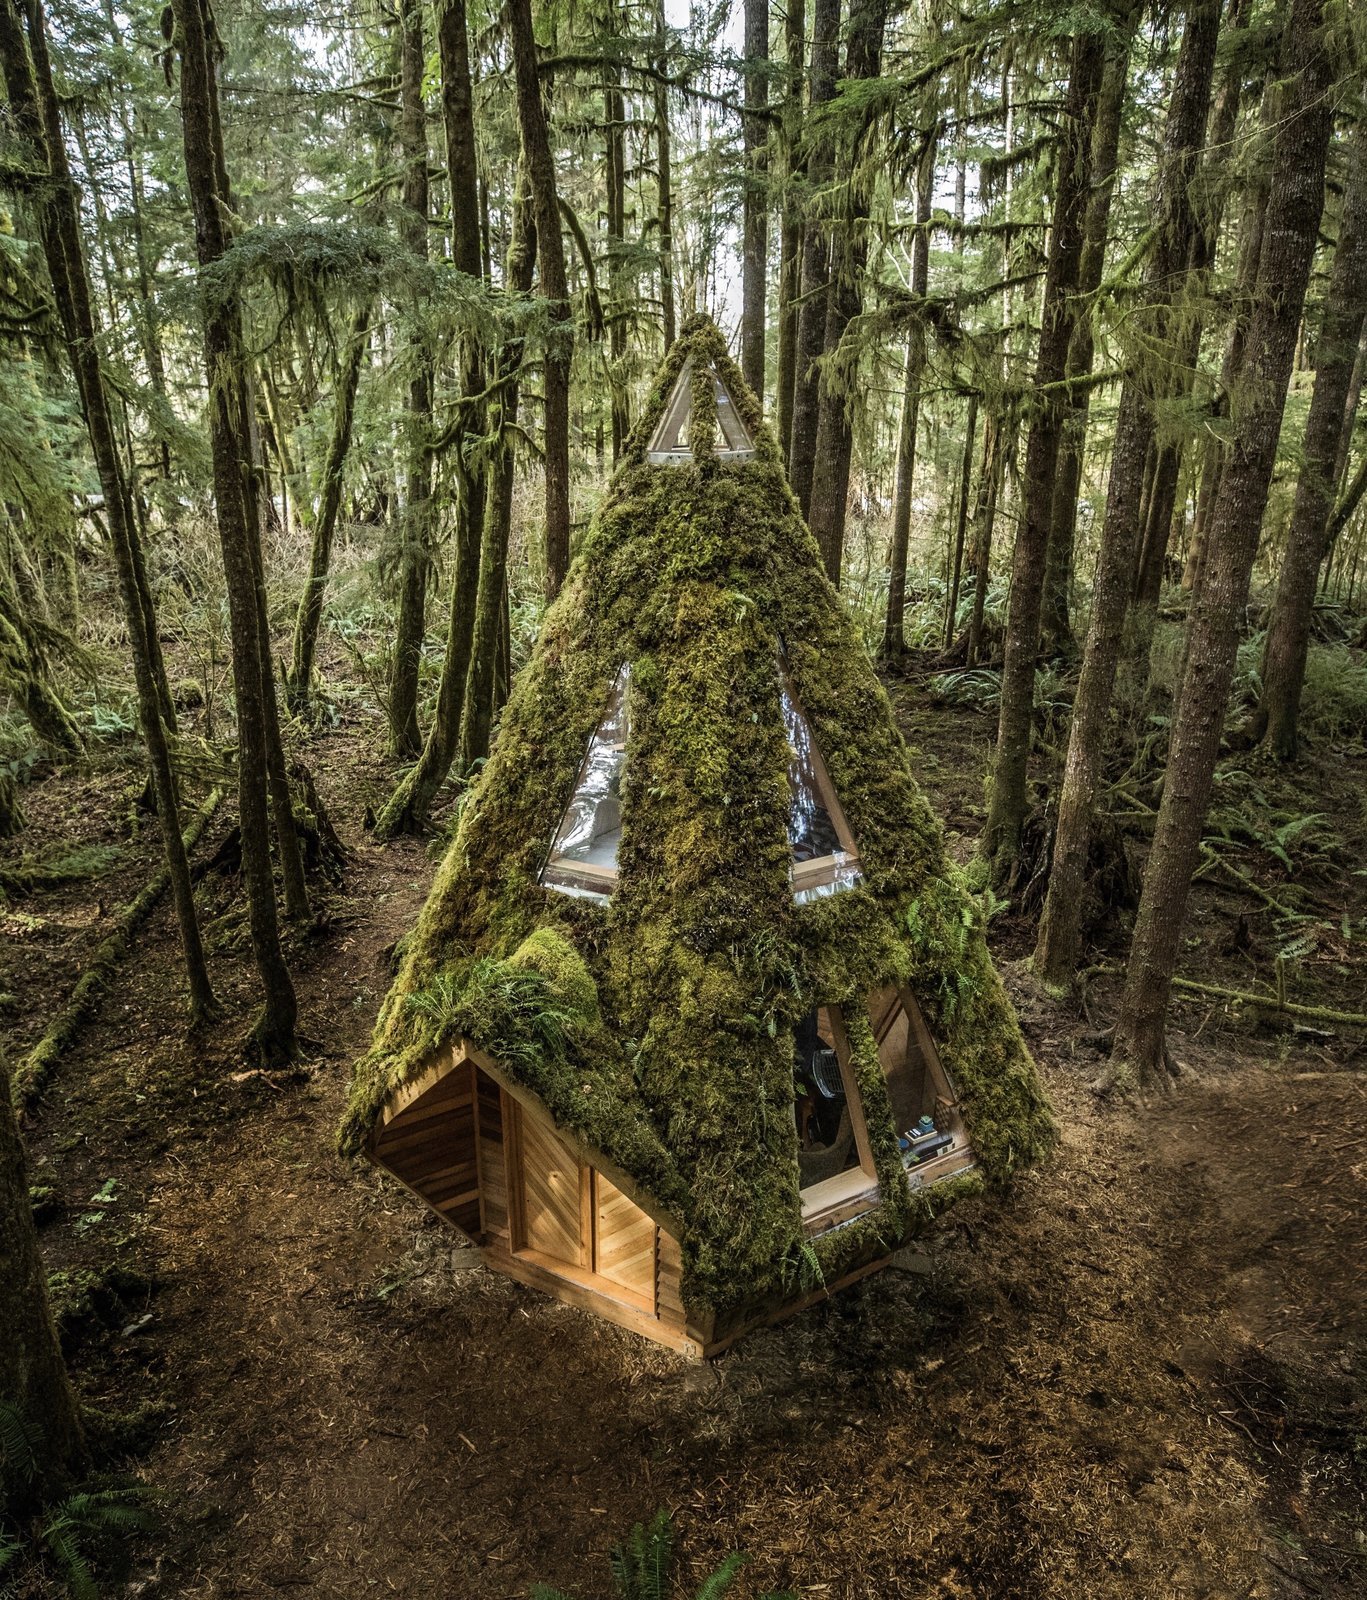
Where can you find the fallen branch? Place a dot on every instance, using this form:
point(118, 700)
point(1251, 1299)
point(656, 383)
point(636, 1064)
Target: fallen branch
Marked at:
point(1242, 878)
point(1250, 997)
point(36, 1068)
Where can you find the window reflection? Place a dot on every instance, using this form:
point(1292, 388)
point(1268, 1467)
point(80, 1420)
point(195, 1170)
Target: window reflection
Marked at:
point(583, 858)
point(824, 857)
point(826, 1142)
point(925, 1110)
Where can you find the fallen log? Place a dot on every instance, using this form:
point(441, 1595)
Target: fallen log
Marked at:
point(33, 1072)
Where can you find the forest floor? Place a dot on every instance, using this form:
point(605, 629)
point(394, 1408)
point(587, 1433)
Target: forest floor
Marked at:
point(1140, 1372)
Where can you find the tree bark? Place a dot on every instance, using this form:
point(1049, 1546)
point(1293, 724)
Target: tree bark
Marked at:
point(1345, 309)
point(984, 517)
point(308, 620)
point(834, 440)
point(272, 1036)
point(664, 182)
point(790, 246)
point(755, 220)
point(894, 623)
point(33, 1377)
point(1001, 836)
point(408, 808)
point(961, 520)
point(415, 554)
point(1295, 200)
point(814, 278)
point(1057, 946)
point(34, 106)
point(482, 695)
point(1056, 629)
point(536, 145)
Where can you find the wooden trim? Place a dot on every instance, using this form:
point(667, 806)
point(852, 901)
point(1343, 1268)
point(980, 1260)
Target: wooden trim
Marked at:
point(582, 869)
point(780, 1313)
point(837, 1199)
point(590, 1296)
point(417, 1194)
point(853, 1100)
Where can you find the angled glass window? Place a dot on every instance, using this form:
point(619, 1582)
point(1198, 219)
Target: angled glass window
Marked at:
point(824, 856)
point(671, 441)
point(583, 859)
point(925, 1108)
point(834, 1161)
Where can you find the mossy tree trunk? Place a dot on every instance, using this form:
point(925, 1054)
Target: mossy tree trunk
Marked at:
point(1295, 201)
point(790, 230)
point(308, 619)
point(33, 1377)
point(272, 1036)
point(415, 547)
point(814, 277)
point(483, 690)
point(845, 301)
point(755, 219)
point(1056, 629)
point(894, 622)
point(408, 808)
point(1345, 308)
point(664, 182)
point(1060, 925)
point(34, 105)
point(956, 554)
point(540, 159)
point(1058, 316)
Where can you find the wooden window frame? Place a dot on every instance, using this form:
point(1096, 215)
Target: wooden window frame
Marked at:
point(949, 1162)
point(671, 423)
point(821, 870)
point(587, 878)
point(848, 1194)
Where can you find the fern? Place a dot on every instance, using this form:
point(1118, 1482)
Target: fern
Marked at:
point(641, 1563)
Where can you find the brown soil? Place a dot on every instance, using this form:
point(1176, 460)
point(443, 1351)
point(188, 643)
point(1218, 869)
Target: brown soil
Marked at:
point(1141, 1372)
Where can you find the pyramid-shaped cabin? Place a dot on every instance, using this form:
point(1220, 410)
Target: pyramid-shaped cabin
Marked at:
point(698, 1024)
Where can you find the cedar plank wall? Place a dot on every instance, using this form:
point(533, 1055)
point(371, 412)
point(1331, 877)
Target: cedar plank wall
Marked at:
point(451, 1146)
point(430, 1147)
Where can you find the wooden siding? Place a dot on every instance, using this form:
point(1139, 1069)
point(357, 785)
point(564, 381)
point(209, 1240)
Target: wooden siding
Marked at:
point(553, 1184)
point(430, 1147)
point(623, 1241)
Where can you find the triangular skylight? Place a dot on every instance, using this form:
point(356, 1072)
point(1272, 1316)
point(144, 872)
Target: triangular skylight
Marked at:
point(824, 855)
point(671, 442)
point(583, 860)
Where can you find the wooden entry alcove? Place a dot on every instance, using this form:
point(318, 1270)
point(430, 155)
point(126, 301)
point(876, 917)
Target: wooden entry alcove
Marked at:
point(485, 1156)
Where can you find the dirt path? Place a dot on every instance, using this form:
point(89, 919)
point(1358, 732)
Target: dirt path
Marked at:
point(1138, 1374)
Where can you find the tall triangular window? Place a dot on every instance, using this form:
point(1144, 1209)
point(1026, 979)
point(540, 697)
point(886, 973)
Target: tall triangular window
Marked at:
point(583, 859)
point(671, 441)
point(825, 859)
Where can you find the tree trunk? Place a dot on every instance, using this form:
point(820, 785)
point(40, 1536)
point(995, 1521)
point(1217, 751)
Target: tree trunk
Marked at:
point(618, 310)
point(961, 520)
point(536, 145)
point(664, 183)
point(415, 554)
point(1056, 630)
point(985, 516)
point(1001, 836)
point(1295, 200)
point(299, 682)
point(790, 247)
point(894, 623)
point(272, 1036)
point(1345, 308)
point(1350, 412)
point(814, 278)
point(33, 1377)
point(755, 222)
point(482, 693)
point(409, 806)
point(34, 105)
point(834, 440)
point(1057, 946)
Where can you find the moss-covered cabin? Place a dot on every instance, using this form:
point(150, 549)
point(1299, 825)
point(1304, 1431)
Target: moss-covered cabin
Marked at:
point(698, 1023)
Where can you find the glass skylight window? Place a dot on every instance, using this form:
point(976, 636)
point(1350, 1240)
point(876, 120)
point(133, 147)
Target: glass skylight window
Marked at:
point(583, 859)
point(824, 856)
point(671, 441)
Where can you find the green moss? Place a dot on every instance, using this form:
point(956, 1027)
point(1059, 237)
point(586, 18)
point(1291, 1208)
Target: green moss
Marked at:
point(659, 1028)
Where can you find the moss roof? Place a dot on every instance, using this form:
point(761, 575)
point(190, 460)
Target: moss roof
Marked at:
point(659, 1027)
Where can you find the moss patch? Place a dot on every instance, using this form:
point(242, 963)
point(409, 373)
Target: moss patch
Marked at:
point(659, 1028)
